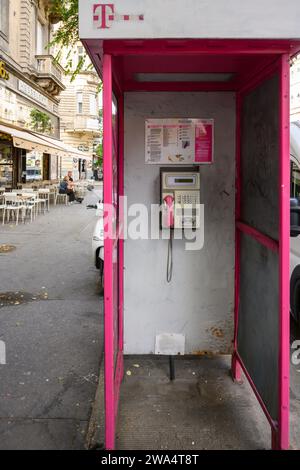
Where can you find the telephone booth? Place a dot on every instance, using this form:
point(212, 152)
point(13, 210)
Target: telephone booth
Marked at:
point(165, 65)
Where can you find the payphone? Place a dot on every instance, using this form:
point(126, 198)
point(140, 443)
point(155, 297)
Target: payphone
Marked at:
point(180, 203)
point(180, 197)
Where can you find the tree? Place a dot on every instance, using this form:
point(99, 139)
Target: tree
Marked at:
point(66, 36)
point(99, 152)
point(40, 121)
point(99, 149)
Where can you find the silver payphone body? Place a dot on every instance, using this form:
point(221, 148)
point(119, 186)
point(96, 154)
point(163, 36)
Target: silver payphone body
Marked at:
point(180, 197)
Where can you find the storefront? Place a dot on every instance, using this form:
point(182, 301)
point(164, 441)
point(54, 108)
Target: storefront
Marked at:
point(28, 157)
point(6, 162)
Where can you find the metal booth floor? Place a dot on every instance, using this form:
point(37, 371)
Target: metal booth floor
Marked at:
point(201, 409)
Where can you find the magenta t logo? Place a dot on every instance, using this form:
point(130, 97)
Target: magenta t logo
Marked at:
point(103, 12)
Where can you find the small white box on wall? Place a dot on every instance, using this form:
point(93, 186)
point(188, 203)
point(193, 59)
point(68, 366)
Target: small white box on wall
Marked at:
point(169, 344)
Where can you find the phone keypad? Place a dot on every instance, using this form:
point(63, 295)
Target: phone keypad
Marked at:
point(187, 198)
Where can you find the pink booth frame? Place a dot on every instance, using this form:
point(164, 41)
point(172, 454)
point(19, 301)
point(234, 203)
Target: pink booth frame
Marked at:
point(113, 81)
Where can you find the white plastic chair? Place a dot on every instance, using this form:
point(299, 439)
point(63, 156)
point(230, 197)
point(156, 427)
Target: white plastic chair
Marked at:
point(61, 198)
point(44, 198)
point(13, 205)
point(52, 195)
point(31, 205)
point(2, 206)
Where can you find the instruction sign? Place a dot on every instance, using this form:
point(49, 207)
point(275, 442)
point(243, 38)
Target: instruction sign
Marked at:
point(179, 141)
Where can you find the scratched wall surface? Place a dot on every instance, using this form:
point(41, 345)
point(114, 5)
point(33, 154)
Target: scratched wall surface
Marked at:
point(199, 301)
point(260, 162)
point(258, 332)
point(258, 319)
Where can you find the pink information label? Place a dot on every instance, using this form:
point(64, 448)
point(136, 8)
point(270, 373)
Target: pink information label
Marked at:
point(204, 143)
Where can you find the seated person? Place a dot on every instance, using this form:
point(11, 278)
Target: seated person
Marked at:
point(66, 187)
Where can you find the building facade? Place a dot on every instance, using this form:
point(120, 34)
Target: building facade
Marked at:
point(79, 112)
point(30, 84)
point(295, 90)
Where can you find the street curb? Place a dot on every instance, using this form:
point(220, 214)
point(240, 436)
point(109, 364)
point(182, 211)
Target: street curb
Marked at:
point(95, 436)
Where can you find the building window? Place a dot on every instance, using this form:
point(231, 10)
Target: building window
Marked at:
point(80, 54)
point(40, 39)
point(93, 105)
point(4, 11)
point(79, 103)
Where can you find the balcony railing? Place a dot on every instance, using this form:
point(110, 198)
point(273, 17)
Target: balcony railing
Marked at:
point(49, 74)
point(86, 123)
point(47, 65)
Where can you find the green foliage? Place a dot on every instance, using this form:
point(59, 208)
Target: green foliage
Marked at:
point(99, 153)
point(67, 35)
point(40, 121)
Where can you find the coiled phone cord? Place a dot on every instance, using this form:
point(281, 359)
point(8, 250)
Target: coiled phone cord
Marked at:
point(170, 258)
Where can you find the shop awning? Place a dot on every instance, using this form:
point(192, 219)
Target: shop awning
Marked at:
point(29, 140)
point(64, 148)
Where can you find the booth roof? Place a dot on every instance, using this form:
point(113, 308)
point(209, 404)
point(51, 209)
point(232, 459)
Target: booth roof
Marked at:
point(187, 65)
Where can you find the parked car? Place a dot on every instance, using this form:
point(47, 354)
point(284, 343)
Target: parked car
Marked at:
point(98, 242)
point(295, 220)
point(33, 174)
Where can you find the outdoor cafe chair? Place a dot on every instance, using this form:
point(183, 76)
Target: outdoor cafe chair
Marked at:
point(30, 204)
point(61, 198)
point(44, 198)
point(13, 205)
point(2, 206)
point(52, 194)
point(30, 200)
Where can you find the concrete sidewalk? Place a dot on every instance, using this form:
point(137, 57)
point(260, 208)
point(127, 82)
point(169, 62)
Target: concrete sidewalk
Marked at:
point(51, 323)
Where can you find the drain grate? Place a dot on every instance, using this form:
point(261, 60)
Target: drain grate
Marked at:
point(7, 248)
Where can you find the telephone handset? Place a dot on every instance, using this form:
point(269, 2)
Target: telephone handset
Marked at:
point(169, 223)
point(169, 216)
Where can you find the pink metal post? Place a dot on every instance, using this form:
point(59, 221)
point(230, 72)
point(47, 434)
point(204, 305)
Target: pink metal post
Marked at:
point(113, 248)
point(284, 253)
point(108, 251)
